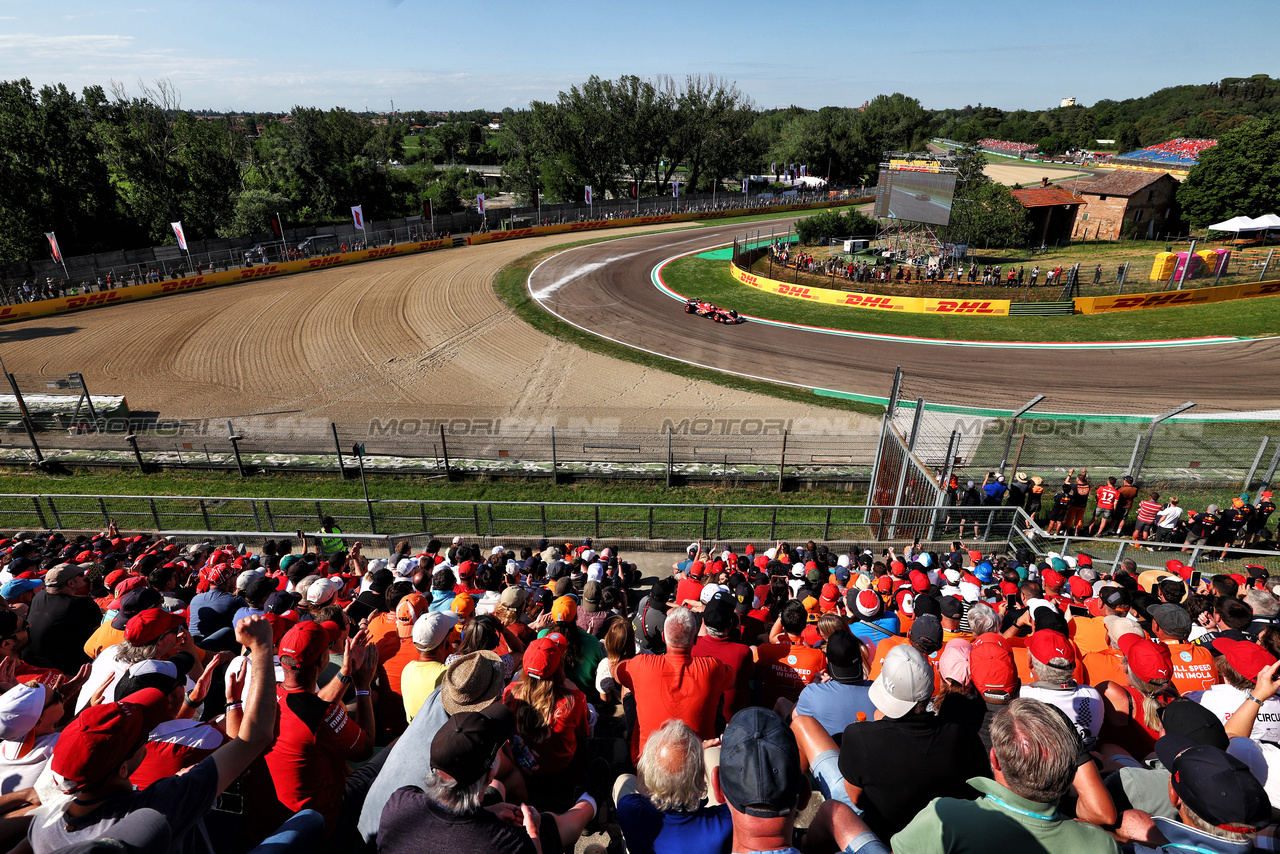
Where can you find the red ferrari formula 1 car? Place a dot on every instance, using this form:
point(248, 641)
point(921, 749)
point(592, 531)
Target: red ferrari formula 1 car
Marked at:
point(706, 309)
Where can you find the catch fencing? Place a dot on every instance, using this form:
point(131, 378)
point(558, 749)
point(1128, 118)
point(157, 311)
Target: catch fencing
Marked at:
point(761, 450)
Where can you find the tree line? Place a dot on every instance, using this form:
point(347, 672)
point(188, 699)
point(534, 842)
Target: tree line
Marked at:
point(110, 169)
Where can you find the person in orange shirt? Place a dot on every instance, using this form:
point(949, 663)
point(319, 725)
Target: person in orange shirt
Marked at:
point(1107, 665)
point(925, 636)
point(392, 719)
point(785, 667)
point(382, 627)
point(1193, 665)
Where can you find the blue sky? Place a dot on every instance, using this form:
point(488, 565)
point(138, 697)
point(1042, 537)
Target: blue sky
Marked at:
point(272, 54)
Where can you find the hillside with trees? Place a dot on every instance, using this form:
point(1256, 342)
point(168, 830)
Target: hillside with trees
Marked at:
point(110, 169)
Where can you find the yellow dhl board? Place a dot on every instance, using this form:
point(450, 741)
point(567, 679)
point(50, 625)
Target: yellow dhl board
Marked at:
point(43, 308)
point(1197, 296)
point(915, 166)
point(828, 296)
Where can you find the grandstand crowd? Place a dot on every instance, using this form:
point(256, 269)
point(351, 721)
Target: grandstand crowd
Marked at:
point(156, 696)
point(1175, 152)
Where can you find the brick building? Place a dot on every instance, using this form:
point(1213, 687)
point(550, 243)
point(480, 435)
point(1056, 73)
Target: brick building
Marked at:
point(1146, 199)
point(1051, 212)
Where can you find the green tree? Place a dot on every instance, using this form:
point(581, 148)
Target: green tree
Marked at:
point(1240, 176)
point(253, 211)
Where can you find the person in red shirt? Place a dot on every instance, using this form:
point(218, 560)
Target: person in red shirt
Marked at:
point(1107, 495)
point(308, 761)
point(1145, 527)
point(719, 617)
point(677, 684)
point(785, 667)
point(689, 588)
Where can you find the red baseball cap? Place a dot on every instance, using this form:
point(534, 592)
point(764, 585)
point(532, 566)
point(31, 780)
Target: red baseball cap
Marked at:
point(991, 666)
point(1052, 579)
point(1147, 659)
point(830, 595)
point(150, 625)
point(884, 584)
point(542, 658)
point(103, 737)
point(1079, 588)
point(1245, 657)
point(919, 581)
point(279, 625)
point(1047, 644)
point(113, 576)
point(898, 568)
point(133, 582)
point(307, 642)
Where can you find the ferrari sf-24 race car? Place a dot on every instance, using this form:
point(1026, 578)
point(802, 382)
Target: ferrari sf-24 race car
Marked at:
point(706, 309)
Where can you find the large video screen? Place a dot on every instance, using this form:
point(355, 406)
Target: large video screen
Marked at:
point(915, 196)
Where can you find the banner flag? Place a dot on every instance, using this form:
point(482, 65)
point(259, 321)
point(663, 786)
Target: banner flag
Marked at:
point(182, 238)
point(746, 183)
point(277, 226)
point(588, 194)
point(53, 246)
point(480, 203)
point(357, 216)
point(426, 209)
point(675, 189)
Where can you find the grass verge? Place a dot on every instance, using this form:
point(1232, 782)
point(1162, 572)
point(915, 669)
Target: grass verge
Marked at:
point(511, 287)
point(710, 280)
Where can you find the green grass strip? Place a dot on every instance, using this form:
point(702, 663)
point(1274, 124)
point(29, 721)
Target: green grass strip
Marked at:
point(710, 280)
point(511, 286)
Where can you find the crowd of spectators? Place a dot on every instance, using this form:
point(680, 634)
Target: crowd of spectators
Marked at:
point(1013, 149)
point(1157, 522)
point(160, 697)
point(1175, 152)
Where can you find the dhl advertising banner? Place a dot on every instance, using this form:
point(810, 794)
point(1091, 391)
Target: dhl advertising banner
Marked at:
point(43, 308)
point(629, 222)
point(876, 301)
point(1199, 296)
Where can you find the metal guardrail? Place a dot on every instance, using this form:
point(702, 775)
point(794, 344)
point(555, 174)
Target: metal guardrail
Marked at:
point(201, 516)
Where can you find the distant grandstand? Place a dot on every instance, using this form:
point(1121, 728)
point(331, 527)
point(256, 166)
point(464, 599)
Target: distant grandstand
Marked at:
point(1175, 155)
point(1012, 149)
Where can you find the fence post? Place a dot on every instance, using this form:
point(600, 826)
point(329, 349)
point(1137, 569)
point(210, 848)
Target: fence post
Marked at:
point(894, 392)
point(668, 458)
point(906, 463)
point(57, 519)
point(1271, 471)
point(952, 448)
point(137, 455)
point(1267, 265)
point(155, 514)
point(1187, 266)
point(1253, 469)
point(1133, 458)
point(1146, 438)
point(1008, 440)
point(35, 501)
point(555, 476)
point(204, 511)
point(782, 461)
point(26, 417)
point(444, 452)
point(235, 446)
point(342, 469)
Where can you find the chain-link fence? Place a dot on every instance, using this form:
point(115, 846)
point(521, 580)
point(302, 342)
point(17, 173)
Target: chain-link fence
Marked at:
point(1048, 435)
point(761, 450)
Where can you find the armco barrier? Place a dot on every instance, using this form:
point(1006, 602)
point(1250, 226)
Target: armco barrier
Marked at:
point(879, 302)
point(148, 290)
point(628, 222)
point(1198, 296)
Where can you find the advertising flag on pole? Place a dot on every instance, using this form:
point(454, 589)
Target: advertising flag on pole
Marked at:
point(588, 194)
point(426, 209)
point(746, 183)
point(277, 226)
point(675, 189)
point(357, 216)
point(53, 246)
point(480, 203)
point(182, 238)
point(774, 167)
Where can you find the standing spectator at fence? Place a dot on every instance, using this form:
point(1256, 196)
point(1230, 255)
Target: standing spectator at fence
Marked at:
point(1107, 496)
point(1079, 496)
point(1145, 527)
point(1167, 521)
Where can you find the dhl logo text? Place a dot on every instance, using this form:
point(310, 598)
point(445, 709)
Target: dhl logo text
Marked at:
point(93, 299)
point(959, 307)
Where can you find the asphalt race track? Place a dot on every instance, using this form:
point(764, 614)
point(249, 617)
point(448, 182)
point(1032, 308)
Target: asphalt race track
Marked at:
point(607, 288)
